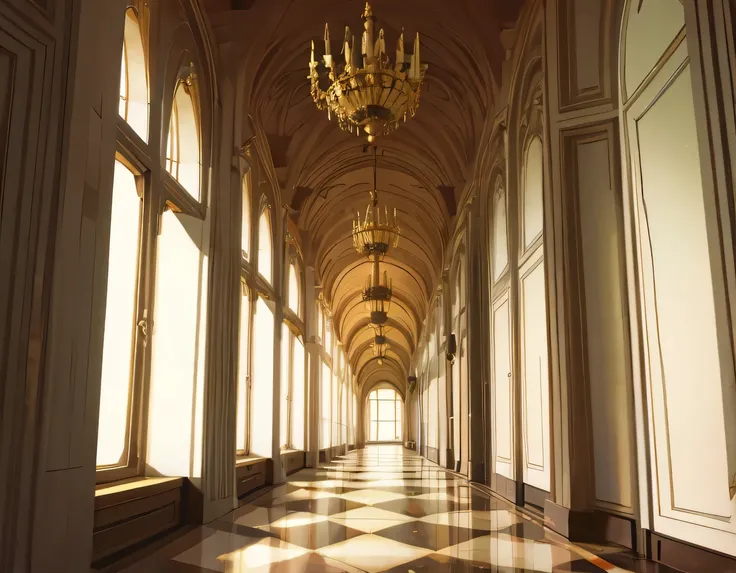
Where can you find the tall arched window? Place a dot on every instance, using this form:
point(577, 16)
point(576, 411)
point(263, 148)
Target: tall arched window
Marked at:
point(533, 191)
point(245, 239)
point(265, 246)
point(133, 107)
point(385, 406)
point(294, 290)
point(500, 253)
point(183, 148)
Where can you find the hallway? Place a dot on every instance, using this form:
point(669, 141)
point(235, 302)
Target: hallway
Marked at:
point(383, 508)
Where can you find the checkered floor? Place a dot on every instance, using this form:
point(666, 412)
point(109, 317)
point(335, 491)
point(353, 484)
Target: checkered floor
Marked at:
point(379, 509)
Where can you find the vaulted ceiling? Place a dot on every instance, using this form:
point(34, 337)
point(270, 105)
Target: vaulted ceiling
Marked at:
point(325, 174)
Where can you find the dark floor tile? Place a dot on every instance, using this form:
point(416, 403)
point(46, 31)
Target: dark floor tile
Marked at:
point(309, 563)
point(244, 530)
point(429, 535)
point(525, 530)
point(325, 506)
point(578, 566)
point(418, 507)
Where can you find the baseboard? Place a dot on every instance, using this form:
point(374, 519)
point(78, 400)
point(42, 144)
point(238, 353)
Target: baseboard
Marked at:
point(506, 488)
point(591, 526)
point(535, 497)
point(687, 557)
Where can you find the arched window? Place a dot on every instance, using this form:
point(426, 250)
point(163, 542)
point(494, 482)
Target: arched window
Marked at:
point(294, 290)
point(133, 107)
point(265, 246)
point(533, 192)
point(385, 406)
point(183, 147)
point(500, 239)
point(245, 240)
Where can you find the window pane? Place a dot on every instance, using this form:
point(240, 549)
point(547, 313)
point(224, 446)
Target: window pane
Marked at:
point(297, 402)
point(265, 246)
point(285, 374)
point(123, 106)
point(245, 237)
point(294, 289)
point(184, 147)
point(374, 431)
point(386, 394)
point(242, 414)
point(263, 383)
point(325, 395)
point(133, 78)
point(179, 268)
point(386, 410)
point(386, 431)
point(117, 351)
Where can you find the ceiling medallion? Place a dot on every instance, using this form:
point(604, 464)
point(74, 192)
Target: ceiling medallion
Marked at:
point(365, 92)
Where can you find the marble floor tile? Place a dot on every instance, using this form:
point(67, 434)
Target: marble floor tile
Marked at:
point(371, 496)
point(372, 553)
point(379, 509)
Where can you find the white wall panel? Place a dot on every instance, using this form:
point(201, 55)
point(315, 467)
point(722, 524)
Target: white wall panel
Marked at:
point(604, 312)
point(535, 379)
point(503, 387)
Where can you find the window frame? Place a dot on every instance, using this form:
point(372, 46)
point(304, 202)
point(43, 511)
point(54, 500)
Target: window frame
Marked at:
point(131, 460)
point(397, 400)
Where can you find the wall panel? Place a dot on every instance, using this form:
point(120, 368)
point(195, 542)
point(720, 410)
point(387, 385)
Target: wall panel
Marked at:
point(599, 216)
point(503, 388)
point(535, 377)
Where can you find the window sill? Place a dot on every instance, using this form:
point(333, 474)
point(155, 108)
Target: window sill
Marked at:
point(244, 461)
point(130, 487)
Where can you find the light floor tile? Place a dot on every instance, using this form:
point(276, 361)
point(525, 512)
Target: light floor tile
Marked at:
point(297, 519)
point(266, 552)
point(261, 517)
point(506, 551)
point(206, 554)
point(371, 496)
point(372, 553)
point(481, 520)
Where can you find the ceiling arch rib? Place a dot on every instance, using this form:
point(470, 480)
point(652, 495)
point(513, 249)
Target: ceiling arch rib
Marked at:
point(325, 175)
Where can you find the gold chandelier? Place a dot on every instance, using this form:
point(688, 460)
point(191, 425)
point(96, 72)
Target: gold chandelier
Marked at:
point(380, 345)
point(374, 235)
point(373, 238)
point(365, 92)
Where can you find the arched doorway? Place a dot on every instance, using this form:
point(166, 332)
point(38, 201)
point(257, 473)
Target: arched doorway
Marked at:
point(385, 415)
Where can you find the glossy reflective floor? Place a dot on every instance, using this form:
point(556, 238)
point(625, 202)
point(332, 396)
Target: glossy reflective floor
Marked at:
point(379, 509)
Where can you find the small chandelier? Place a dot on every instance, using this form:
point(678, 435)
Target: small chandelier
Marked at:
point(373, 236)
point(365, 92)
point(377, 296)
point(380, 344)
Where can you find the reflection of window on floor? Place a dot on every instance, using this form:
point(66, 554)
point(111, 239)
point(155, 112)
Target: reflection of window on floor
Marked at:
point(385, 408)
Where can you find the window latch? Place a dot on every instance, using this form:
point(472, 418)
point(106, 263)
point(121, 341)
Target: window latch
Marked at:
point(143, 325)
